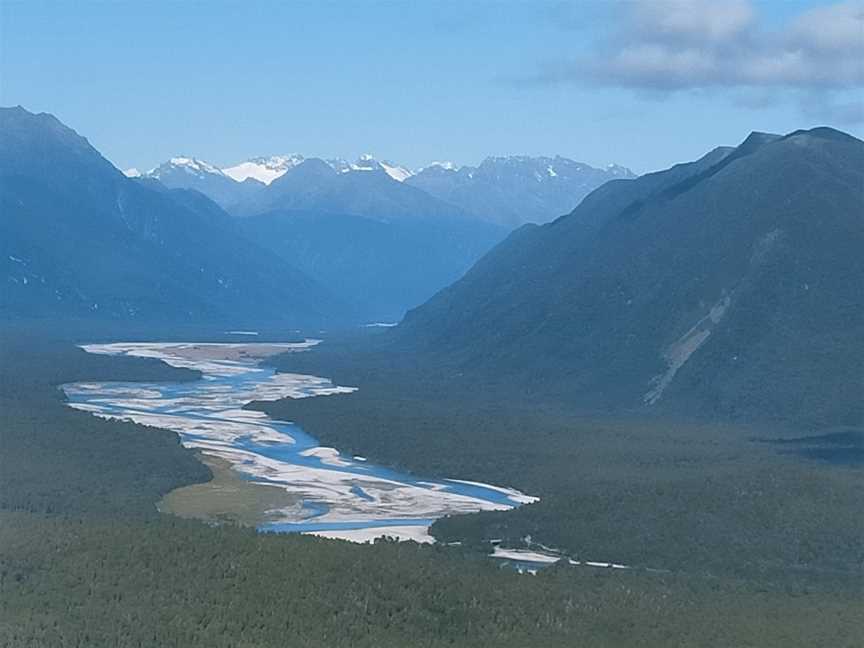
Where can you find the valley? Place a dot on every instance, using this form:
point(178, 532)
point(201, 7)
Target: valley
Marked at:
point(79, 494)
point(420, 324)
point(322, 491)
point(650, 406)
point(226, 498)
point(661, 492)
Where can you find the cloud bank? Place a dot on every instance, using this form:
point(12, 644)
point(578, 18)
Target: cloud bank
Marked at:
point(670, 45)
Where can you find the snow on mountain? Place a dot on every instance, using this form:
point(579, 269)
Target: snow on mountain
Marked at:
point(267, 169)
point(339, 165)
point(192, 173)
point(446, 165)
point(263, 169)
point(558, 169)
point(496, 169)
point(132, 173)
point(367, 162)
point(512, 190)
point(190, 165)
point(398, 173)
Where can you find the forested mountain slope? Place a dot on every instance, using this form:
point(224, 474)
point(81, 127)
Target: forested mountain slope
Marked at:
point(728, 287)
point(79, 239)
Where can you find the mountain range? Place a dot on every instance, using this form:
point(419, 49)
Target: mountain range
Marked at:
point(80, 239)
point(729, 287)
point(508, 191)
point(316, 245)
point(512, 191)
point(382, 246)
point(384, 238)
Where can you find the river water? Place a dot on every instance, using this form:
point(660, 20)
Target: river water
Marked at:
point(338, 496)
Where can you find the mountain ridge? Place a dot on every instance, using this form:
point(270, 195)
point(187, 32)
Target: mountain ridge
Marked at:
point(631, 297)
point(515, 190)
point(81, 239)
point(503, 184)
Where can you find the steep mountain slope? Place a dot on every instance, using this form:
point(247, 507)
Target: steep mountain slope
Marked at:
point(515, 190)
point(377, 243)
point(381, 268)
point(78, 238)
point(729, 287)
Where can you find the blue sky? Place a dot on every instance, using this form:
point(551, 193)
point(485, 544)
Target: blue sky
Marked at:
point(644, 84)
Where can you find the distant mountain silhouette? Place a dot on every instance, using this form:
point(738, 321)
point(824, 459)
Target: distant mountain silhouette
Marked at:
point(380, 268)
point(377, 243)
point(374, 233)
point(191, 173)
point(314, 185)
point(515, 190)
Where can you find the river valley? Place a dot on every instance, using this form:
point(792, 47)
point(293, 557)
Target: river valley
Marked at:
point(308, 488)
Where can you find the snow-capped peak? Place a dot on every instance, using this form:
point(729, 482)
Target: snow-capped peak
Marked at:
point(548, 168)
point(446, 165)
point(188, 164)
point(267, 169)
point(398, 173)
point(367, 162)
point(263, 169)
point(195, 165)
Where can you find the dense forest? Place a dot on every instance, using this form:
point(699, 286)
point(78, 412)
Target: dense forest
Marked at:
point(67, 582)
point(705, 497)
point(85, 559)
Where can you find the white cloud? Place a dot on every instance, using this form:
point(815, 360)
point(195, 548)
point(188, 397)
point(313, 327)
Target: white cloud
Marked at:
point(670, 45)
point(835, 28)
point(691, 20)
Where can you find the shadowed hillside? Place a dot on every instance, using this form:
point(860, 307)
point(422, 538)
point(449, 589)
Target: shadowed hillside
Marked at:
point(728, 288)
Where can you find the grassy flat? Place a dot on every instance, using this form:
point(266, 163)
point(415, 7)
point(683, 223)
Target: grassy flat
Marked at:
point(227, 498)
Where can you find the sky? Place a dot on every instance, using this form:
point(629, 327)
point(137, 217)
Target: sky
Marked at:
point(642, 83)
